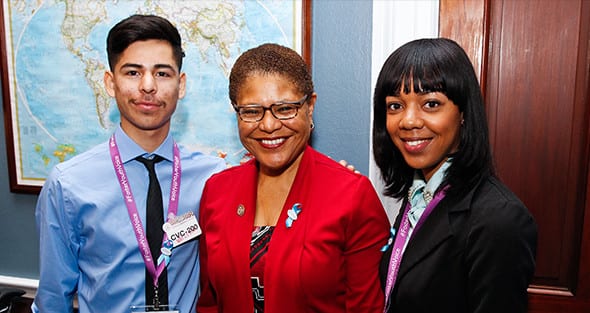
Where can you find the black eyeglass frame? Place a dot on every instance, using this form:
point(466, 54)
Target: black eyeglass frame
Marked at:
point(298, 104)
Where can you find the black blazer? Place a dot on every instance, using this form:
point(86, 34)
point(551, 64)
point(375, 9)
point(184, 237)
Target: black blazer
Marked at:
point(473, 254)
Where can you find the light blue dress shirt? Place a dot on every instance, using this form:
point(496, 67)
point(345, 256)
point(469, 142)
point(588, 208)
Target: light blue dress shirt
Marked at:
point(87, 243)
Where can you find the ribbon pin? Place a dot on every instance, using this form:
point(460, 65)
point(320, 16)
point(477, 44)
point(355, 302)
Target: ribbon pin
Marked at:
point(390, 240)
point(292, 214)
point(166, 251)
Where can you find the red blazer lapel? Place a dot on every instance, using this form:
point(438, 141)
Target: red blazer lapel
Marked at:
point(241, 215)
point(235, 224)
point(286, 245)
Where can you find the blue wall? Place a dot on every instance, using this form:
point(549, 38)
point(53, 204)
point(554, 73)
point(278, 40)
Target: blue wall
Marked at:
point(341, 66)
point(18, 235)
point(341, 62)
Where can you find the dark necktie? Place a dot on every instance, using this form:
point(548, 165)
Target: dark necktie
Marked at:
point(155, 233)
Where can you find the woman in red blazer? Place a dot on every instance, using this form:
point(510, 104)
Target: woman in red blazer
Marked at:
point(462, 242)
point(290, 230)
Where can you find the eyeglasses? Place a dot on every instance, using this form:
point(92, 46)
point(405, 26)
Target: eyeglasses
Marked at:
point(280, 110)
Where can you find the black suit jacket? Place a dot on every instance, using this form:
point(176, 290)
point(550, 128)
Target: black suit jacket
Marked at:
point(473, 254)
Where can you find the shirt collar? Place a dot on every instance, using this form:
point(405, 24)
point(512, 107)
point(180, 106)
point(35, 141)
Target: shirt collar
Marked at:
point(436, 179)
point(129, 150)
point(434, 182)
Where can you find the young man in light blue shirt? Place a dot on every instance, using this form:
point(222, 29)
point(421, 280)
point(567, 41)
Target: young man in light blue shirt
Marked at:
point(89, 209)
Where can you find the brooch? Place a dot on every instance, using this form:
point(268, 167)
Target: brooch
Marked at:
point(292, 214)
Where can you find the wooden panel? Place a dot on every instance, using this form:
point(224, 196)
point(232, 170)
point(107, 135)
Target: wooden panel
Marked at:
point(465, 21)
point(536, 66)
point(537, 139)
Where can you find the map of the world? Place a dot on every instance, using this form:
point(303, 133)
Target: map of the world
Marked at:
point(56, 56)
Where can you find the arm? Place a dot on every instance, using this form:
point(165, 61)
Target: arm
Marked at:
point(501, 259)
point(58, 257)
point(367, 232)
point(207, 301)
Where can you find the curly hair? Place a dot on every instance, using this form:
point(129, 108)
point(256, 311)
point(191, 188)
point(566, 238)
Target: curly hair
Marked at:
point(268, 59)
point(433, 65)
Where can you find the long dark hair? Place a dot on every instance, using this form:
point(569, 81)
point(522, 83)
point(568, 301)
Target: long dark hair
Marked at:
point(434, 65)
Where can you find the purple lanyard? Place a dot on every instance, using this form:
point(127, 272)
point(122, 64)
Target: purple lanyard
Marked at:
point(400, 241)
point(132, 207)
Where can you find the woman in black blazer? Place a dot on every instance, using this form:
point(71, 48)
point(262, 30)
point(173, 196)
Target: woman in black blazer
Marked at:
point(462, 242)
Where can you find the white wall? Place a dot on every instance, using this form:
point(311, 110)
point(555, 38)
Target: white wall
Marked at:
point(395, 23)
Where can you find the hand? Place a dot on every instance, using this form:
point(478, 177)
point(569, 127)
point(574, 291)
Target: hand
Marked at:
point(348, 166)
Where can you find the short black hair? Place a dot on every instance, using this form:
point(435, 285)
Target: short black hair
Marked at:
point(139, 28)
point(270, 58)
point(433, 65)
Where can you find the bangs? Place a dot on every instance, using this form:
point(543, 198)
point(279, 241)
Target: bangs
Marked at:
point(421, 77)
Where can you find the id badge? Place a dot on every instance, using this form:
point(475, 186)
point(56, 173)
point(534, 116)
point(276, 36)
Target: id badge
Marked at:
point(182, 228)
point(171, 308)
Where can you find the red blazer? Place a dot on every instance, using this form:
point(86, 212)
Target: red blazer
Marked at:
point(327, 261)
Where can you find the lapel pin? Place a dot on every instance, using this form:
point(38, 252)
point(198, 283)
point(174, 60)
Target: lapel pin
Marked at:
point(390, 240)
point(241, 210)
point(292, 214)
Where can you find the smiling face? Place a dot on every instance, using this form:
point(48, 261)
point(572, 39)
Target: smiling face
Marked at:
point(146, 84)
point(276, 144)
point(425, 127)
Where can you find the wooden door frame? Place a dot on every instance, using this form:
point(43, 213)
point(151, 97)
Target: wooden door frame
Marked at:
point(466, 22)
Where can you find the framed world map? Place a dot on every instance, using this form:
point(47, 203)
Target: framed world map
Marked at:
point(53, 56)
